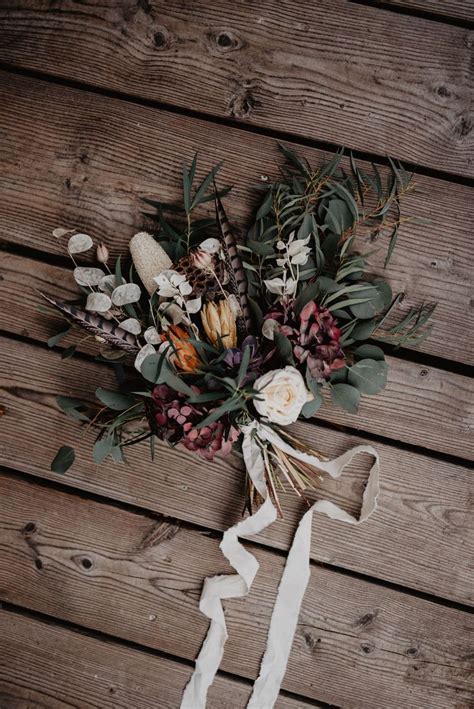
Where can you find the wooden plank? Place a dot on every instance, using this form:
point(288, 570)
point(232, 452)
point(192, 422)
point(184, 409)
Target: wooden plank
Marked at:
point(46, 665)
point(421, 405)
point(90, 159)
point(137, 578)
point(454, 9)
point(421, 535)
point(304, 68)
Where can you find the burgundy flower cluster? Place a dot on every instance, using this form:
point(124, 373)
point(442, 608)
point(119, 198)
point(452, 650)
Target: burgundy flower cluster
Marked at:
point(314, 336)
point(176, 421)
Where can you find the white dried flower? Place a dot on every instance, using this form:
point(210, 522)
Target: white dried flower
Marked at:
point(172, 284)
point(280, 286)
point(282, 395)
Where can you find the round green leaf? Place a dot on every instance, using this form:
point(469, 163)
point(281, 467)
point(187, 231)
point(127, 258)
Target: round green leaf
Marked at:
point(63, 460)
point(114, 399)
point(369, 352)
point(372, 307)
point(385, 291)
point(363, 329)
point(346, 396)
point(369, 376)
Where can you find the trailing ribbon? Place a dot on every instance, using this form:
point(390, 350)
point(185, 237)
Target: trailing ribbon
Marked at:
point(293, 581)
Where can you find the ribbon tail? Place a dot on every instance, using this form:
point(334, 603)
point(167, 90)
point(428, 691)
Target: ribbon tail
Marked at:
point(217, 588)
point(296, 574)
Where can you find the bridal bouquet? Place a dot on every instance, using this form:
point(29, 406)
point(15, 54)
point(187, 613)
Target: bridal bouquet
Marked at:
point(219, 345)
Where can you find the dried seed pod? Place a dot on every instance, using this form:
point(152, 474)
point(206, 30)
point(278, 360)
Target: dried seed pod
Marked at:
point(149, 259)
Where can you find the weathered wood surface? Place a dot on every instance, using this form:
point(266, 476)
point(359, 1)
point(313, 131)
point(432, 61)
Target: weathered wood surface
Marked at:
point(396, 84)
point(457, 9)
point(421, 405)
point(91, 158)
point(135, 577)
point(45, 666)
point(421, 536)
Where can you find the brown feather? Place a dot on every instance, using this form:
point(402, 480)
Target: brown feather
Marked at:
point(97, 325)
point(237, 277)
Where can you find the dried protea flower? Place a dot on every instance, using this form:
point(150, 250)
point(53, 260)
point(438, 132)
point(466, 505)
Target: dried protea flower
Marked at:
point(219, 324)
point(102, 253)
point(215, 439)
point(149, 259)
point(314, 336)
point(182, 353)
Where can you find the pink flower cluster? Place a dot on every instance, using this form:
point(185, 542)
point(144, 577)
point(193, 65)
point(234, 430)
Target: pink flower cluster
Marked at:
point(314, 336)
point(176, 421)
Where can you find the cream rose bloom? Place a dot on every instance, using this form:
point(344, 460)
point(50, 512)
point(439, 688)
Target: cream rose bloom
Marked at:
point(282, 395)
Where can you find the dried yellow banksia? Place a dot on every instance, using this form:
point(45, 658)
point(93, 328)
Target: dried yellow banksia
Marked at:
point(149, 259)
point(219, 324)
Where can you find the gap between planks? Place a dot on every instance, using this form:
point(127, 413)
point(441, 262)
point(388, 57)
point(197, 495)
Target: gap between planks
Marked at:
point(50, 663)
point(129, 557)
point(274, 67)
point(424, 504)
point(93, 162)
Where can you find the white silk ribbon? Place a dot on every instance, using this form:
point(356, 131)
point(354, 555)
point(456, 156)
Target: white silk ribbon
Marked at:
point(293, 581)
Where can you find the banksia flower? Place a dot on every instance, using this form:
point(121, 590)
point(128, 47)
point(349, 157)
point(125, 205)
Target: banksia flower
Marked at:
point(183, 354)
point(149, 259)
point(219, 324)
point(215, 439)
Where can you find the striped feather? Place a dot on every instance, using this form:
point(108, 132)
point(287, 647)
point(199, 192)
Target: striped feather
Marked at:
point(237, 277)
point(98, 326)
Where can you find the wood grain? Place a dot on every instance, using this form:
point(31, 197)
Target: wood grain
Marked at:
point(421, 536)
point(44, 665)
point(332, 70)
point(90, 159)
point(139, 578)
point(456, 9)
point(421, 405)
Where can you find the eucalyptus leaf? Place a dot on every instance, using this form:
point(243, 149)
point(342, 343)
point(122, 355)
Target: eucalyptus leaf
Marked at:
point(346, 396)
point(338, 216)
point(56, 339)
point(363, 329)
point(310, 292)
point(284, 347)
point(369, 352)
point(114, 399)
point(102, 448)
point(312, 406)
point(68, 352)
point(369, 376)
point(63, 460)
point(373, 305)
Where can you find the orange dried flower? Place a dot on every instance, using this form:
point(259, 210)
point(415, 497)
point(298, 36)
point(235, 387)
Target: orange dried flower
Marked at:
point(184, 354)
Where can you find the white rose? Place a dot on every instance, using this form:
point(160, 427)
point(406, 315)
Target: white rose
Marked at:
point(282, 395)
